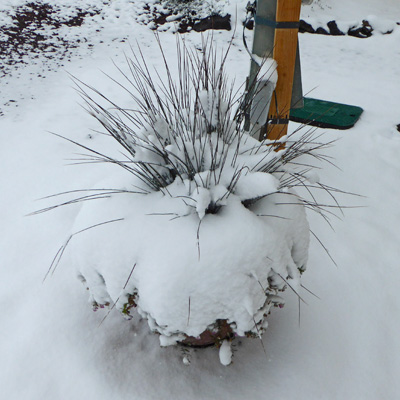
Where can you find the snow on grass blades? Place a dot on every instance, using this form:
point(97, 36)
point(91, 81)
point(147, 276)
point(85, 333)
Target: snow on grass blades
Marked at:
point(202, 230)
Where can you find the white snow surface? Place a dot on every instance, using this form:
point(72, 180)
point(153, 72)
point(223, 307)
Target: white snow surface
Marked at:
point(351, 9)
point(347, 344)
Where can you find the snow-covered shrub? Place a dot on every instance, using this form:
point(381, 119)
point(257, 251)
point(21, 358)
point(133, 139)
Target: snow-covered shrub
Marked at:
point(202, 229)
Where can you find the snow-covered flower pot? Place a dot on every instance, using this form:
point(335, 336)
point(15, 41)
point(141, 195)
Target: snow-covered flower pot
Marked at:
point(196, 280)
point(200, 230)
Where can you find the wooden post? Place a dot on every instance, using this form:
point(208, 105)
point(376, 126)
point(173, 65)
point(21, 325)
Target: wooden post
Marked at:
point(285, 47)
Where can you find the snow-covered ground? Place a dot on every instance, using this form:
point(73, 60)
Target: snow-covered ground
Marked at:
point(347, 344)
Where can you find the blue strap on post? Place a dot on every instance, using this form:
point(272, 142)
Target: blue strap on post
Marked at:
point(277, 24)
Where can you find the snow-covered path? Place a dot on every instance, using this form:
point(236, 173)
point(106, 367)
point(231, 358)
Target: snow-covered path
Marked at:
point(348, 343)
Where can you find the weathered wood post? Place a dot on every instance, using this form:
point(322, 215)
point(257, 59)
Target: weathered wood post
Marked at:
point(285, 50)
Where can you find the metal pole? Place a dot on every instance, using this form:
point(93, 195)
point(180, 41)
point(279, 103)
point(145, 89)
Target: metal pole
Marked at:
point(263, 47)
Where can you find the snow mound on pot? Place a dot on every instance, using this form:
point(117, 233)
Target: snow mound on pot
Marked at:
point(183, 272)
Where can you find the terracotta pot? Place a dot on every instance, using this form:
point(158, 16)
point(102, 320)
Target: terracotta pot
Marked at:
point(211, 337)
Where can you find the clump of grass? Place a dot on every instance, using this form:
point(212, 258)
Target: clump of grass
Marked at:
point(190, 128)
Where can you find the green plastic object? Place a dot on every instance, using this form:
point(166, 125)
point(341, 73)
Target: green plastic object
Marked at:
point(326, 114)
